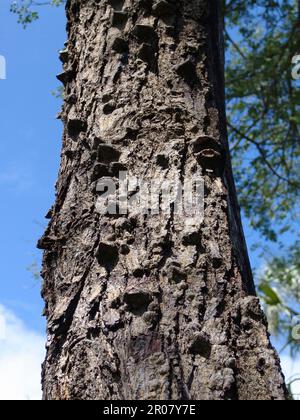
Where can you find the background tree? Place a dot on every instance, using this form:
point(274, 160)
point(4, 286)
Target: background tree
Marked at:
point(263, 116)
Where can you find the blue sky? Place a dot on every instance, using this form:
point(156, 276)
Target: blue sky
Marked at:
point(29, 151)
point(29, 158)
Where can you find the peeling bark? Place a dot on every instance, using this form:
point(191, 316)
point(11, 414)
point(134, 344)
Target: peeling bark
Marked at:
point(149, 307)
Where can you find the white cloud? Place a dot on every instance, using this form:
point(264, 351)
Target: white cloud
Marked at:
point(21, 354)
point(291, 369)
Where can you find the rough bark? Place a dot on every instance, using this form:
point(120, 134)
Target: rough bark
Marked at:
point(149, 307)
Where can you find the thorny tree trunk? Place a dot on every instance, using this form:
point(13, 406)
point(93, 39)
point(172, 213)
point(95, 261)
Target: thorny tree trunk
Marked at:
point(149, 307)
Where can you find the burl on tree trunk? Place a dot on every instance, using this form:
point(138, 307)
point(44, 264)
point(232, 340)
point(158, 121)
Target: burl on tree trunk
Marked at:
point(158, 306)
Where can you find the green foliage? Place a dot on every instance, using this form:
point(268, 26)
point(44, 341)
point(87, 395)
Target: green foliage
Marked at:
point(270, 295)
point(58, 93)
point(263, 104)
point(280, 290)
point(25, 9)
point(34, 269)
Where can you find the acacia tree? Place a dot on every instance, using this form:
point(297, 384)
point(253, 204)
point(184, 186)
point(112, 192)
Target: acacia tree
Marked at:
point(149, 306)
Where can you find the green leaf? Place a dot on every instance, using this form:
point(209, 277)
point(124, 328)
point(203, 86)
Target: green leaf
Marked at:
point(269, 295)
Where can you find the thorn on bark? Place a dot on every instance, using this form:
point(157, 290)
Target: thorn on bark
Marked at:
point(200, 344)
point(47, 243)
point(205, 142)
point(191, 239)
point(119, 19)
point(49, 215)
point(163, 161)
point(146, 4)
point(208, 153)
point(107, 255)
point(140, 272)
point(65, 77)
point(231, 363)
point(137, 300)
point(120, 45)
point(124, 249)
point(64, 56)
point(107, 97)
point(146, 53)
point(96, 143)
point(76, 126)
point(109, 107)
point(187, 70)
point(163, 8)
point(116, 4)
point(108, 154)
point(209, 159)
point(116, 168)
point(145, 33)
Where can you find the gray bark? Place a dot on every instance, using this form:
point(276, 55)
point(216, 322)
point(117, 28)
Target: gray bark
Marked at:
point(149, 307)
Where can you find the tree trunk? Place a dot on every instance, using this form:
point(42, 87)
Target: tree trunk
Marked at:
point(157, 306)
